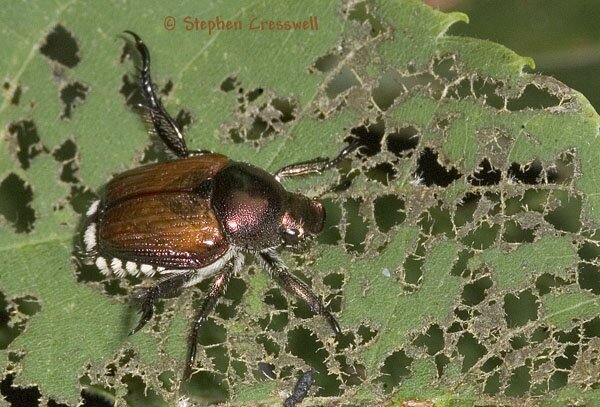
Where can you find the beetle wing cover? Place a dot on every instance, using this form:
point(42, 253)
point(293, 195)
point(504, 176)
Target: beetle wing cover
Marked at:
point(171, 176)
point(155, 215)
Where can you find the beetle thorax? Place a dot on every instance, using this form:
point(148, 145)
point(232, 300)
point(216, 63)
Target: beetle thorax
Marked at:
point(249, 203)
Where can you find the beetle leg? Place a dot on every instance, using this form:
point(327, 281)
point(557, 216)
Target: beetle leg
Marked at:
point(301, 389)
point(163, 123)
point(161, 289)
point(217, 289)
point(316, 165)
point(293, 285)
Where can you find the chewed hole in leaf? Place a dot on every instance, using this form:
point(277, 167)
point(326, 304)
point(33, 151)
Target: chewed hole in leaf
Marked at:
point(465, 209)
point(382, 173)
point(183, 119)
point(366, 334)
point(66, 153)
point(15, 99)
point(526, 174)
point(431, 172)
point(482, 237)
point(72, 95)
point(219, 357)
point(471, 350)
point(588, 276)
point(589, 251)
point(389, 212)
point(445, 68)
point(207, 388)
point(460, 266)
point(331, 233)
point(492, 384)
point(81, 198)
point(275, 298)
point(52, 403)
point(491, 364)
point(9, 330)
point(567, 215)
point(432, 340)
point(535, 200)
point(369, 137)
point(547, 282)
point(252, 95)
point(360, 12)
point(286, 107)
point(131, 92)
point(519, 382)
point(514, 233)
point(229, 84)
point(357, 227)
point(138, 392)
point(475, 292)
point(486, 90)
point(327, 62)
point(234, 294)
point(61, 47)
point(268, 343)
point(89, 273)
point(26, 141)
point(17, 395)
point(388, 89)
point(402, 141)
point(437, 220)
point(341, 82)
point(520, 308)
point(335, 281)
point(395, 368)
point(305, 345)
point(260, 115)
point(533, 98)
point(413, 265)
point(486, 175)
point(259, 128)
point(15, 203)
point(96, 396)
point(212, 333)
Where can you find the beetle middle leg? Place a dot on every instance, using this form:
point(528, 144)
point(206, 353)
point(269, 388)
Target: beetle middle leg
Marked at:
point(294, 285)
point(217, 289)
point(315, 166)
point(163, 123)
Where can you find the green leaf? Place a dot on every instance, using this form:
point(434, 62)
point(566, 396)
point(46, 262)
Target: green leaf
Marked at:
point(462, 261)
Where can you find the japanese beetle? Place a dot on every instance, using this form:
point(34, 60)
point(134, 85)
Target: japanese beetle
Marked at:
point(195, 217)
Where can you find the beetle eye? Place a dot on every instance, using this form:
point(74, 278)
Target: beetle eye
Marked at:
point(291, 236)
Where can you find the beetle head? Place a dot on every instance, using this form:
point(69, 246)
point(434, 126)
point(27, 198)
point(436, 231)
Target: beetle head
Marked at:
point(303, 217)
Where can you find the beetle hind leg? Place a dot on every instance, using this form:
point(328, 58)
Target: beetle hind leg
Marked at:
point(149, 296)
point(162, 123)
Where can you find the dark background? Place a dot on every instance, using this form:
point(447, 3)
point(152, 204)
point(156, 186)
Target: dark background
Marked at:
point(563, 37)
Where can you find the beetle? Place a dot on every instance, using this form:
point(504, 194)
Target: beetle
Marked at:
point(195, 216)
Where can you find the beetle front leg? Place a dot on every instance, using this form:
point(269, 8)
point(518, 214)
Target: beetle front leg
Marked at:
point(161, 289)
point(315, 166)
point(163, 123)
point(295, 286)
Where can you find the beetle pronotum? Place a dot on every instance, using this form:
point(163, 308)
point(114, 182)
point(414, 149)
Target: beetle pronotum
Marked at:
point(195, 216)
